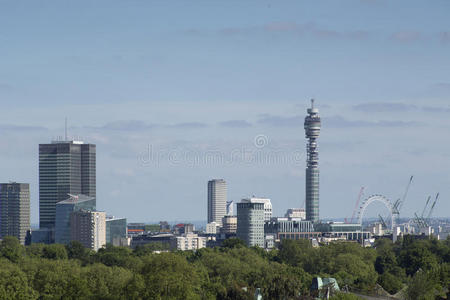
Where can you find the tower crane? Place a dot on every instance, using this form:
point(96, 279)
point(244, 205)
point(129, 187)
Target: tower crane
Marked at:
point(421, 221)
point(400, 201)
point(432, 208)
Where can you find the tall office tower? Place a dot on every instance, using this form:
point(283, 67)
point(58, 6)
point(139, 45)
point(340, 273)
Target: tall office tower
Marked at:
point(267, 206)
point(217, 200)
point(88, 228)
point(63, 211)
point(65, 167)
point(250, 223)
point(14, 210)
point(312, 130)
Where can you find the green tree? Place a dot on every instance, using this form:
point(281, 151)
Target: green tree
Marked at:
point(170, 276)
point(76, 250)
point(54, 251)
point(11, 248)
point(13, 283)
point(233, 243)
point(392, 284)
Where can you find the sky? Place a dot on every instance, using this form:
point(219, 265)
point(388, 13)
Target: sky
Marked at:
point(175, 93)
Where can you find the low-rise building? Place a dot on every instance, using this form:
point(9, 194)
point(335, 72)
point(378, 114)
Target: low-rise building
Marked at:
point(190, 241)
point(295, 213)
point(212, 228)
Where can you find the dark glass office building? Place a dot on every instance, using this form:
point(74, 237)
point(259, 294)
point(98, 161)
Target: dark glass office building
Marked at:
point(65, 167)
point(63, 211)
point(14, 210)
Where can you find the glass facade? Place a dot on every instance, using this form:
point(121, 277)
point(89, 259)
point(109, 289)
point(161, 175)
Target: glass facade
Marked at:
point(64, 168)
point(63, 211)
point(115, 228)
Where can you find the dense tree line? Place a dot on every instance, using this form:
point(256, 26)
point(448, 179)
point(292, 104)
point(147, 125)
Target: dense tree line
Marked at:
point(419, 268)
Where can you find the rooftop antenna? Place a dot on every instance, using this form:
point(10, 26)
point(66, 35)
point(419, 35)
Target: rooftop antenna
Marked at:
point(312, 103)
point(65, 129)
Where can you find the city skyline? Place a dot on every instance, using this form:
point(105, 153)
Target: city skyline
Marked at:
point(136, 85)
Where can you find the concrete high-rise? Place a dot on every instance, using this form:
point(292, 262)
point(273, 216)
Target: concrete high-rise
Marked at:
point(250, 223)
point(14, 210)
point(88, 228)
point(217, 200)
point(312, 131)
point(65, 167)
point(267, 206)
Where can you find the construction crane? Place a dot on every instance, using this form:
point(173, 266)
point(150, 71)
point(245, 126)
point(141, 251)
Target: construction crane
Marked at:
point(432, 208)
point(400, 201)
point(426, 205)
point(421, 221)
point(382, 221)
point(361, 192)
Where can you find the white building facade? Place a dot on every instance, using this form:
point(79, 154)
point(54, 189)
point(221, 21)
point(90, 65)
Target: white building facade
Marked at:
point(267, 205)
point(190, 241)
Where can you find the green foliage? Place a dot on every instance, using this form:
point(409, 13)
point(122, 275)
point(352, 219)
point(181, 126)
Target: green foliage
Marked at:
point(149, 248)
point(76, 250)
point(233, 243)
point(13, 283)
point(420, 269)
point(391, 283)
point(54, 251)
point(11, 249)
point(344, 296)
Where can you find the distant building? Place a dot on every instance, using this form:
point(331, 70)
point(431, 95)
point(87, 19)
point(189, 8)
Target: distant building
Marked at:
point(65, 167)
point(229, 224)
point(116, 231)
point(250, 223)
point(63, 211)
point(166, 240)
point(285, 228)
point(14, 210)
point(183, 228)
point(190, 241)
point(42, 236)
point(211, 228)
point(217, 200)
point(89, 228)
point(164, 226)
point(295, 213)
point(135, 228)
point(376, 229)
point(348, 231)
point(267, 206)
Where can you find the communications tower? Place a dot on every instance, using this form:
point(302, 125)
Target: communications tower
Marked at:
point(312, 131)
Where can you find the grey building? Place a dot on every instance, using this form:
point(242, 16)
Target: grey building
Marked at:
point(217, 200)
point(312, 131)
point(65, 167)
point(250, 223)
point(14, 210)
point(116, 230)
point(63, 211)
point(88, 228)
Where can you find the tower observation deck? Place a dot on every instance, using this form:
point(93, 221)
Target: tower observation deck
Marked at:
point(312, 130)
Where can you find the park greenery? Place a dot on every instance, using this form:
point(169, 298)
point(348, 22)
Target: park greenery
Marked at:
point(418, 268)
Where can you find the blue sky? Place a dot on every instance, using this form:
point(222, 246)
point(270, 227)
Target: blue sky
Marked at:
point(195, 82)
